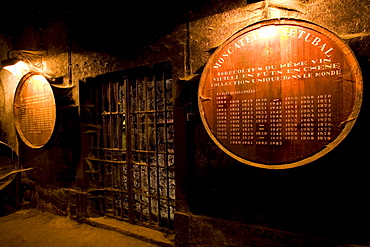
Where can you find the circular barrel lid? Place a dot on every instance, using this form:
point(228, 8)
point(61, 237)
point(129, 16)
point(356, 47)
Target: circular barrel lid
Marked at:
point(34, 110)
point(280, 93)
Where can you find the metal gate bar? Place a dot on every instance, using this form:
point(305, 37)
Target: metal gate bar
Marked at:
point(111, 151)
point(153, 200)
point(131, 163)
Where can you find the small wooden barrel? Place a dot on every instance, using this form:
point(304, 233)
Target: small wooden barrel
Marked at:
point(9, 163)
point(34, 110)
point(280, 93)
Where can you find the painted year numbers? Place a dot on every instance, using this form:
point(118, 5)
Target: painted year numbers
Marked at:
point(263, 121)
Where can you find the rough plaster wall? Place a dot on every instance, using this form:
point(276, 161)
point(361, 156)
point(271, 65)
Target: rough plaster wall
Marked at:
point(343, 17)
point(63, 55)
point(207, 33)
point(348, 19)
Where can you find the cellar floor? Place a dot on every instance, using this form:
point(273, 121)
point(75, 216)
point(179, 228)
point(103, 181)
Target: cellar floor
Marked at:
point(36, 228)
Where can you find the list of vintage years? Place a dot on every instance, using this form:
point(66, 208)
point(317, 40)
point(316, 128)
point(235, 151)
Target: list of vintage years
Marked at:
point(280, 94)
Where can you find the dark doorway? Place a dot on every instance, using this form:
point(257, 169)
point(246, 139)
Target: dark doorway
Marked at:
point(127, 120)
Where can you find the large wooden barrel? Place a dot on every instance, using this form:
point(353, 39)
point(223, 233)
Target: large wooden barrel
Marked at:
point(34, 110)
point(9, 163)
point(280, 93)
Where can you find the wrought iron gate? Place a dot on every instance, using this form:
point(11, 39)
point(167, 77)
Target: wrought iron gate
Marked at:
point(130, 158)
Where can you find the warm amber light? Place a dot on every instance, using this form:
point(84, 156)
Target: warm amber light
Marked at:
point(18, 69)
point(269, 31)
